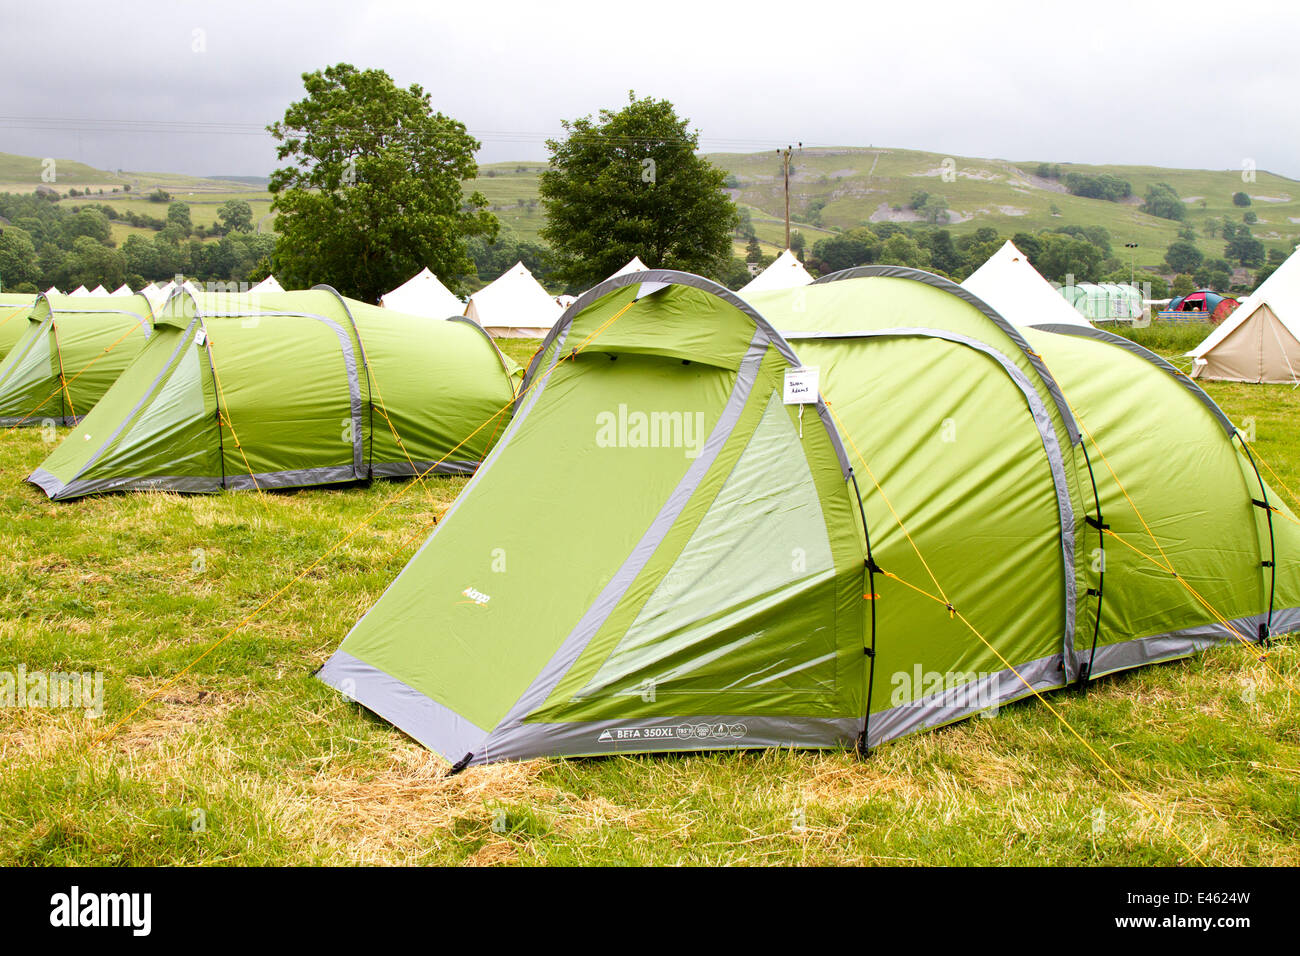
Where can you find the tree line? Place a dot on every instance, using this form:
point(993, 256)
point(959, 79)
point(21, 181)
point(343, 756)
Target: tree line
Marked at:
point(48, 241)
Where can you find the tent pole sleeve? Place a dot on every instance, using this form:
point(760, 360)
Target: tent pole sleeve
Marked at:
point(63, 380)
point(216, 397)
point(864, 743)
point(1267, 628)
point(1086, 673)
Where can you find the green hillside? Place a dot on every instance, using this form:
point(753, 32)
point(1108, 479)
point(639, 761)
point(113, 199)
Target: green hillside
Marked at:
point(852, 187)
point(862, 186)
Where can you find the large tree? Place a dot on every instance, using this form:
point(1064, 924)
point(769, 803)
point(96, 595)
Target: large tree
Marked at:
point(629, 183)
point(372, 192)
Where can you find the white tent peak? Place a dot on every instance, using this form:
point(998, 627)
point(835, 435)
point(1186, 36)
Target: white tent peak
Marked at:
point(123, 289)
point(1019, 293)
point(514, 305)
point(785, 272)
point(53, 290)
point(269, 284)
point(635, 265)
point(80, 291)
point(423, 294)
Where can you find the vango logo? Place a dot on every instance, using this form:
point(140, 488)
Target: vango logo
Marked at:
point(477, 596)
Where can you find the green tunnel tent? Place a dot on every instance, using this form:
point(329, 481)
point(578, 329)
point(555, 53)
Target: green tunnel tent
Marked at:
point(729, 539)
point(13, 319)
point(71, 352)
point(288, 389)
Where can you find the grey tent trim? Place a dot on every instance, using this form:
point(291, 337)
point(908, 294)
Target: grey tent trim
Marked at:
point(1128, 345)
point(614, 591)
point(403, 469)
point(386, 470)
point(496, 349)
point(660, 278)
point(197, 484)
point(57, 490)
point(365, 365)
point(670, 734)
point(1046, 435)
point(952, 288)
point(434, 725)
point(985, 694)
point(1122, 655)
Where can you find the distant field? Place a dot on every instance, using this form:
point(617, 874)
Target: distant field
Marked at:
point(857, 186)
point(861, 186)
point(23, 174)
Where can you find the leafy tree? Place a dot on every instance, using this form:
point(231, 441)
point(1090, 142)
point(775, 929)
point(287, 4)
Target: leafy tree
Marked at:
point(753, 251)
point(1250, 217)
point(372, 190)
point(1064, 256)
point(629, 182)
point(87, 222)
point(235, 215)
point(91, 263)
point(1241, 199)
point(902, 250)
point(493, 258)
point(813, 212)
point(18, 263)
point(1183, 256)
point(733, 274)
point(1214, 274)
point(919, 197)
point(1183, 284)
point(178, 214)
point(935, 210)
point(1103, 186)
point(1245, 249)
point(798, 244)
point(854, 248)
point(1162, 201)
point(944, 256)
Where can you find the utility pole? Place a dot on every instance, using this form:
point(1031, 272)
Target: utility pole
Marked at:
point(785, 165)
point(1132, 260)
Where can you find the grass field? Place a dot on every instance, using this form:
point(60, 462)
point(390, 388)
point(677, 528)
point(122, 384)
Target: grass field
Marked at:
point(244, 758)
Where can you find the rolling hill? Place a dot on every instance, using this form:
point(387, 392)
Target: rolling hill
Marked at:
point(832, 189)
point(857, 186)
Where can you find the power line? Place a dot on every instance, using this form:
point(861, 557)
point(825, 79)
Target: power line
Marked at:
point(209, 128)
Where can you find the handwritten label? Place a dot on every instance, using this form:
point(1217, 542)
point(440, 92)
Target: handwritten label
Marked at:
point(801, 385)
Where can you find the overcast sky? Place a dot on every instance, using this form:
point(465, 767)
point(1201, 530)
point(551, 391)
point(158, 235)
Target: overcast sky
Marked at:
point(1205, 85)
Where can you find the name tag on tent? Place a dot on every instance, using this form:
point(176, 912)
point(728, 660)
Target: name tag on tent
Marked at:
point(801, 385)
point(201, 339)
